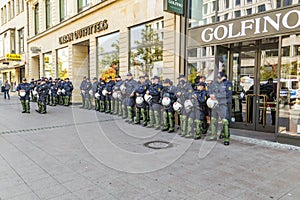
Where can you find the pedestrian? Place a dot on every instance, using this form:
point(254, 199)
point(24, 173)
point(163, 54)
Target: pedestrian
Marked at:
point(23, 90)
point(6, 89)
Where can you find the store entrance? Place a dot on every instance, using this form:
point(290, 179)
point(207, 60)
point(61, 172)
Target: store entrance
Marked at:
point(253, 69)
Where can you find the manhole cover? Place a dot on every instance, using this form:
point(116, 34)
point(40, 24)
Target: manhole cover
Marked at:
point(158, 144)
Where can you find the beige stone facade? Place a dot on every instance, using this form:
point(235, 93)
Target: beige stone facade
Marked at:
point(121, 15)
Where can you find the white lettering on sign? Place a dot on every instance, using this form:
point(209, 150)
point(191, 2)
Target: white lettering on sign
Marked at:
point(251, 26)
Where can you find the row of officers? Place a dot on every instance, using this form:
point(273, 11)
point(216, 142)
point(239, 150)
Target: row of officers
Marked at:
point(45, 92)
point(153, 103)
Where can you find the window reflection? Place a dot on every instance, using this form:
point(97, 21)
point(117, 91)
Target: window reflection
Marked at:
point(49, 69)
point(63, 63)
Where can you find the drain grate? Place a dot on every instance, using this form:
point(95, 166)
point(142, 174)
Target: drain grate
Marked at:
point(158, 144)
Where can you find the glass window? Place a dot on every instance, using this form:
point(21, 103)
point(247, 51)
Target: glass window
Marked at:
point(83, 4)
point(237, 2)
point(63, 9)
point(286, 51)
point(226, 3)
point(297, 50)
point(108, 51)
point(192, 52)
point(261, 8)
point(249, 11)
point(36, 18)
point(17, 6)
point(49, 68)
point(214, 6)
point(48, 13)
point(249, 1)
point(205, 8)
point(226, 16)
point(21, 5)
point(146, 49)
point(21, 40)
point(13, 41)
point(63, 63)
point(237, 13)
point(9, 11)
point(12, 8)
point(289, 101)
point(287, 2)
point(203, 50)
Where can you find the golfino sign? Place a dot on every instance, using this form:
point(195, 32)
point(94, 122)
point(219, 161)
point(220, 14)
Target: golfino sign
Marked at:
point(257, 26)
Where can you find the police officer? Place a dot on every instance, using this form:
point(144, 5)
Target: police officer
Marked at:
point(140, 103)
point(32, 87)
point(130, 85)
point(43, 91)
point(168, 96)
point(101, 87)
point(220, 90)
point(155, 107)
point(60, 87)
point(24, 93)
point(201, 110)
point(87, 94)
point(109, 87)
point(53, 93)
point(67, 88)
point(184, 89)
point(94, 89)
point(118, 100)
point(82, 86)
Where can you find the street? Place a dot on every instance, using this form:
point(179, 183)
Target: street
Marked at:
point(72, 153)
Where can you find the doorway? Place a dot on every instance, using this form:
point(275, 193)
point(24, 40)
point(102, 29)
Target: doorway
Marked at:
point(253, 69)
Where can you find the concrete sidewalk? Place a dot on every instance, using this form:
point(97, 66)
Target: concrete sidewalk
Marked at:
point(71, 153)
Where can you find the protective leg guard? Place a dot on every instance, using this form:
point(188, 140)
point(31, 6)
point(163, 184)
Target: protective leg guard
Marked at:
point(38, 107)
point(184, 122)
point(198, 125)
point(130, 114)
point(226, 131)
point(67, 99)
point(27, 106)
point(23, 106)
point(213, 128)
point(120, 110)
point(165, 121)
point(124, 112)
point(97, 106)
point(137, 115)
point(144, 115)
point(157, 120)
point(43, 108)
point(171, 122)
point(189, 128)
point(108, 106)
point(101, 105)
point(150, 124)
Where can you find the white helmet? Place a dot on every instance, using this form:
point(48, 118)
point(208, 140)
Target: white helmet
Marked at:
point(122, 87)
point(104, 92)
point(166, 101)
point(97, 95)
point(63, 91)
point(22, 93)
point(91, 92)
point(34, 92)
point(188, 105)
point(139, 100)
point(59, 91)
point(212, 103)
point(177, 106)
point(148, 98)
point(115, 95)
point(119, 96)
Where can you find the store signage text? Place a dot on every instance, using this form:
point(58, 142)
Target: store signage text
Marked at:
point(272, 23)
point(174, 6)
point(83, 32)
point(14, 57)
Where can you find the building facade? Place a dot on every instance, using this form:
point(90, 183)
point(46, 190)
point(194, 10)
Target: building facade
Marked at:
point(99, 38)
point(257, 43)
point(12, 41)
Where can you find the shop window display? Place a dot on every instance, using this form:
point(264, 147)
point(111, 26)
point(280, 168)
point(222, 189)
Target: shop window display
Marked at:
point(49, 69)
point(63, 63)
point(108, 50)
point(146, 49)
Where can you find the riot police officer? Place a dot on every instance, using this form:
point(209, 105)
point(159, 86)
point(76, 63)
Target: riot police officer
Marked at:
point(87, 94)
point(94, 90)
point(168, 96)
point(67, 88)
point(82, 86)
point(109, 87)
point(155, 107)
point(43, 91)
point(24, 93)
point(118, 96)
point(220, 90)
point(60, 87)
point(101, 95)
point(130, 85)
point(32, 87)
point(140, 103)
point(53, 93)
